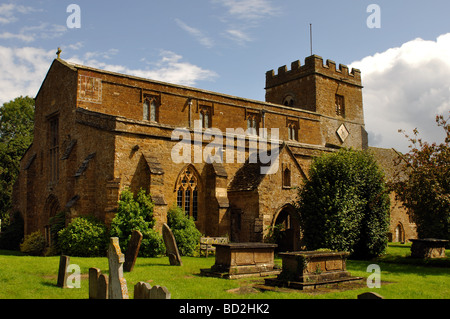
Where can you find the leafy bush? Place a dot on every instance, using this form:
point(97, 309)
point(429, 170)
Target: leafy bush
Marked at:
point(83, 237)
point(33, 244)
point(344, 205)
point(183, 228)
point(136, 213)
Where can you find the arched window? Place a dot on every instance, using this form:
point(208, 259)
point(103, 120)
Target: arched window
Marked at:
point(150, 110)
point(187, 192)
point(287, 177)
point(288, 100)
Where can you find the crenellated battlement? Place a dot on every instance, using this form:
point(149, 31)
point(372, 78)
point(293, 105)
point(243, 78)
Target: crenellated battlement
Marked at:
point(313, 65)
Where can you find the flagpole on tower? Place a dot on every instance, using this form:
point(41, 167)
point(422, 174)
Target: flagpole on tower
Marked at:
point(310, 38)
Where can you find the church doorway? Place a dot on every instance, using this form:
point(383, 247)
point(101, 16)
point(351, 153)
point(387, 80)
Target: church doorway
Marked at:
point(399, 234)
point(286, 229)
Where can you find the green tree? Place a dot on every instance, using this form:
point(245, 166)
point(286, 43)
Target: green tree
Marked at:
point(16, 135)
point(344, 204)
point(423, 183)
point(136, 213)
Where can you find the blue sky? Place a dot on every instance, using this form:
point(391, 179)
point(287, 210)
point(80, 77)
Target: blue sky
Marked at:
point(227, 46)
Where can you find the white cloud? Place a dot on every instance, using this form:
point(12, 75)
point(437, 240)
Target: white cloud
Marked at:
point(170, 68)
point(7, 11)
point(23, 70)
point(196, 33)
point(405, 88)
point(249, 9)
point(243, 15)
point(238, 36)
point(32, 33)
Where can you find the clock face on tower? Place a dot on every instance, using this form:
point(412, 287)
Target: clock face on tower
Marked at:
point(342, 132)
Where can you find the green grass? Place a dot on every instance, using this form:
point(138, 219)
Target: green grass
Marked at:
point(26, 277)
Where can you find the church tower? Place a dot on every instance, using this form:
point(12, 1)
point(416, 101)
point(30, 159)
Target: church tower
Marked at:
point(334, 93)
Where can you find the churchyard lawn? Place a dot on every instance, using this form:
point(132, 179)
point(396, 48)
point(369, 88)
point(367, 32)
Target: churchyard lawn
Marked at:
point(26, 277)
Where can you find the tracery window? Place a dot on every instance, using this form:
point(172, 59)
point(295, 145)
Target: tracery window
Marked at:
point(187, 193)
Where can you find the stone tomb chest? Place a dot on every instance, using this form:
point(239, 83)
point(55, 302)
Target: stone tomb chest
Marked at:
point(235, 260)
point(428, 248)
point(309, 269)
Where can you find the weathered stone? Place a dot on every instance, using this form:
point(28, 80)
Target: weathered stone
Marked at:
point(428, 248)
point(102, 287)
point(94, 274)
point(143, 290)
point(311, 269)
point(132, 250)
point(117, 283)
point(236, 260)
point(98, 284)
point(64, 262)
point(370, 295)
point(171, 246)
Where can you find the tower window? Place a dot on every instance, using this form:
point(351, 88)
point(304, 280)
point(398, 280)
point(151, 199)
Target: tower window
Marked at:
point(288, 100)
point(340, 105)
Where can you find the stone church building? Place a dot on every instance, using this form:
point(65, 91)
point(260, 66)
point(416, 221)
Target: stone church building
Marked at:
point(98, 132)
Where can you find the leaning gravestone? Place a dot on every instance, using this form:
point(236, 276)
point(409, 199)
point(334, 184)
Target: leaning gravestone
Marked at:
point(64, 262)
point(171, 246)
point(143, 290)
point(132, 250)
point(117, 283)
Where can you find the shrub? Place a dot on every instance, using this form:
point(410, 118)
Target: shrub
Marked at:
point(33, 244)
point(83, 237)
point(136, 213)
point(344, 205)
point(183, 228)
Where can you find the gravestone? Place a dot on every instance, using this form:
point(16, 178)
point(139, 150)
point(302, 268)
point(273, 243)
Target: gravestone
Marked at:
point(117, 287)
point(64, 262)
point(171, 246)
point(94, 274)
point(143, 290)
point(132, 250)
point(370, 295)
point(102, 287)
point(98, 284)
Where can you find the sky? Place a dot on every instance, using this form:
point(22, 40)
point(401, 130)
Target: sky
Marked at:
point(401, 47)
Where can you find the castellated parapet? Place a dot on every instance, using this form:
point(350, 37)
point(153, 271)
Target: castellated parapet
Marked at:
point(313, 65)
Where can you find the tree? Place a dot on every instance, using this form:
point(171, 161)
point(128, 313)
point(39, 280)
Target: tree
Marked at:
point(422, 183)
point(16, 135)
point(136, 213)
point(344, 204)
